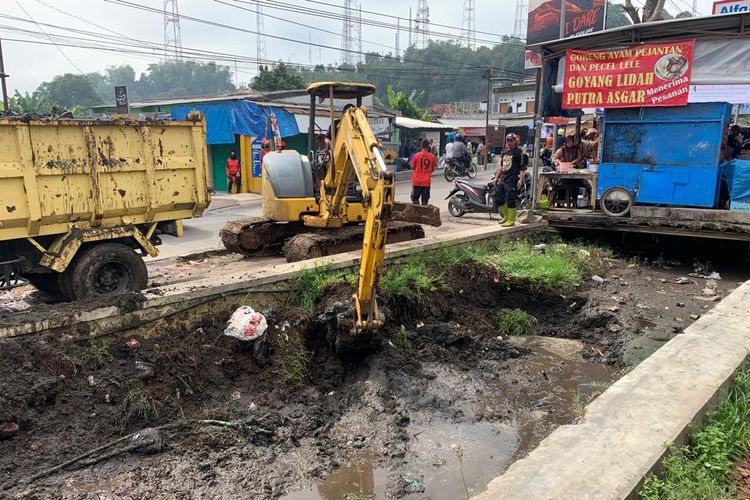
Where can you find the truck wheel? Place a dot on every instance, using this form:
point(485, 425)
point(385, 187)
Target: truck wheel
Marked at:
point(104, 269)
point(46, 282)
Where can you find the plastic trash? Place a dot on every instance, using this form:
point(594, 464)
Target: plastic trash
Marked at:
point(596, 280)
point(714, 276)
point(246, 324)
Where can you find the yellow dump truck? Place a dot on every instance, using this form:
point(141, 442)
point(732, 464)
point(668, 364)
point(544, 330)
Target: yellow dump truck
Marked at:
point(82, 200)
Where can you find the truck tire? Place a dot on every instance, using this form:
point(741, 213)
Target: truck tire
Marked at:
point(46, 282)
point(104, 269)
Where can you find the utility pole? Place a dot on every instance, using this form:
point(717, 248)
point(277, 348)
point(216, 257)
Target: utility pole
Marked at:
point(468, 24)
point(3, 76)
point(172, 31)
point(410, 41)
point(488, 74)
point(563, 11)
point(398, 37)
point(260, 47)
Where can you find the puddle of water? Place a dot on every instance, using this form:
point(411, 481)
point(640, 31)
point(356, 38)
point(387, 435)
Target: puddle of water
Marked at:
point(487, 450)
point(544, 386)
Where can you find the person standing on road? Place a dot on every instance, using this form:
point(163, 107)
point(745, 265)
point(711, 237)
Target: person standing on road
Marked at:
point(480, 153)
point(508, 179)
point(423, 164)
point(233, 172)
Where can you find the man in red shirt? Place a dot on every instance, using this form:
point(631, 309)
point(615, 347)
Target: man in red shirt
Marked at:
point(233, 172)
point(423, 163)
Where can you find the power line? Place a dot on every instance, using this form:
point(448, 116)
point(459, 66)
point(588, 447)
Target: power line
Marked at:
point(146, 8)
point(61, 51)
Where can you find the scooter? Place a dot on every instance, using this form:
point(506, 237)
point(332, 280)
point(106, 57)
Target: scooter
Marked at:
point(470, 197)
point(455, 168)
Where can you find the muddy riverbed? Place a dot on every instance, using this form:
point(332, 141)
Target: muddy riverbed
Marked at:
point(447, 396)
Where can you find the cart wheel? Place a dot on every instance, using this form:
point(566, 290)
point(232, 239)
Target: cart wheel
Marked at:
point(616, 202)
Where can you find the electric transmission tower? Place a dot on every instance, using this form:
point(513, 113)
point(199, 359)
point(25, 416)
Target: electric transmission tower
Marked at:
point(261, 53)
point(349, 35)
point(172, 32)
point(469, 25)
point(422, 24)
point(522, 19)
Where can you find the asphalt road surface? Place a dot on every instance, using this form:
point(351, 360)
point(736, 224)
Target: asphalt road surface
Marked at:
point(202, 233)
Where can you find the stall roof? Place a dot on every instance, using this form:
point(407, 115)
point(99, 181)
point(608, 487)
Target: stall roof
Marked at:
point(692, 27)
point(521, 120)
point(411, 123)
point(463, 122)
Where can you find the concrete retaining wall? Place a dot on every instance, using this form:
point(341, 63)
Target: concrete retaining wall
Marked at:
point(622, 435)
point(183, 296)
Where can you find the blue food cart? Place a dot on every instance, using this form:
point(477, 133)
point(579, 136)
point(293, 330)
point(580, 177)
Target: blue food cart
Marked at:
point(668, 157)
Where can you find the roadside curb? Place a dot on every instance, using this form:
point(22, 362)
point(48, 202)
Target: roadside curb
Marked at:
point(622, 436)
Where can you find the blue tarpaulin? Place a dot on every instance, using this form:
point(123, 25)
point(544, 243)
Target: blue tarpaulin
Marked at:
point(737, 175)
point(225, 119)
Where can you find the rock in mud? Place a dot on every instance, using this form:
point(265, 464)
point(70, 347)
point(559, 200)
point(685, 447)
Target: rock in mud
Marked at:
point(8, 430)
point(151, 441)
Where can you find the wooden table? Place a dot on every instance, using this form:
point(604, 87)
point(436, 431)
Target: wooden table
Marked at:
point(554, 179)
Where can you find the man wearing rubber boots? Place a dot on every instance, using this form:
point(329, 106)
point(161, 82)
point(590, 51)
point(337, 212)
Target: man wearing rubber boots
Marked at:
point(508, 179)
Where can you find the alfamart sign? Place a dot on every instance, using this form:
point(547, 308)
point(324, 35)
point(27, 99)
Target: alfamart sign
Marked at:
point(731, 6)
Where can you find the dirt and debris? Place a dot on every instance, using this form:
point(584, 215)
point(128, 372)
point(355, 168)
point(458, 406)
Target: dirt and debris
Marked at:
point(307, 424)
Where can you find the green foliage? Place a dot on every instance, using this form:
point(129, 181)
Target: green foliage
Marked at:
point(70, 90)
point(407, 104)
point(616, 16)
point(313, 281)
point(515, 322)
point(99, 352)
point(292, 360)
point(178, 79)
point(554, 269)
point(278, 77)
point(703, 468)
point(409, 280)
point(36, 103)
point(401, 338)
point(139, 404)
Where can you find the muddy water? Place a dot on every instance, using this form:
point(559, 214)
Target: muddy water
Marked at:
point(431, 464)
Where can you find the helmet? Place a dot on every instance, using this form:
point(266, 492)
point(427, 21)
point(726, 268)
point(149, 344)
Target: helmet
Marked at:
point(264, 142)
point(280, 144)
point(511, 136)
point(561, 131)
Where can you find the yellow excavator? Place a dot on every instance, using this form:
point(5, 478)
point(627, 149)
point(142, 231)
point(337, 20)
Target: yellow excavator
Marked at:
point(339, 197)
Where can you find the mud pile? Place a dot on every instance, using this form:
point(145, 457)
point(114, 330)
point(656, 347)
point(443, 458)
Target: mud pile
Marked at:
point(235, 424)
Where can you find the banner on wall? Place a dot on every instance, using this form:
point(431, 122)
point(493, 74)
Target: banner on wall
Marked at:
point(581, 17)
point(256, 153)
point(640, 76)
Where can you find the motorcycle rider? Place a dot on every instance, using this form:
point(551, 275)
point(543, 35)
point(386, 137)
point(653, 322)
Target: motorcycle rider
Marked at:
point(460, 153)
point(508, 179)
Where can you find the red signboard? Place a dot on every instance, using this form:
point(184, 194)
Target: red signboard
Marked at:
point(643, 75)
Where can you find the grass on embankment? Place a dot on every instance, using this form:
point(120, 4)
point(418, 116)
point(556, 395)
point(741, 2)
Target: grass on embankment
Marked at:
point(556, 267)
point(702, 469)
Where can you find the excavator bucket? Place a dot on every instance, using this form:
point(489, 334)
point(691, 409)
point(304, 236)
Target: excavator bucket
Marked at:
point(428, 215)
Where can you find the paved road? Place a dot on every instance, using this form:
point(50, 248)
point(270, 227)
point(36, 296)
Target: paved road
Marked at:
point(202, 234)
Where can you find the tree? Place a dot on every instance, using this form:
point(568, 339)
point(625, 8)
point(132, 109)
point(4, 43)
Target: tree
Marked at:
point(652, 11)
point(70, 90)
point(407, 104)
point(182, 79)
point(36, 103)
point(280, 77)
point(616, 16)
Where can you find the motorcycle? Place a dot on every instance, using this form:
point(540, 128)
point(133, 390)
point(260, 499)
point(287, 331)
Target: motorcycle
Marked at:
point(455, 168)
point(470, 197)
point(475, 197)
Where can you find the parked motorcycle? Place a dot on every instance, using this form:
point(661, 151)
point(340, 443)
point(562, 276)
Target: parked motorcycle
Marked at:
point(455, 168)
point(477, 197)
point(470, 197)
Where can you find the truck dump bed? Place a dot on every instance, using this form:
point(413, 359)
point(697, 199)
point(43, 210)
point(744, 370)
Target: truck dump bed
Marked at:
point(98, 173)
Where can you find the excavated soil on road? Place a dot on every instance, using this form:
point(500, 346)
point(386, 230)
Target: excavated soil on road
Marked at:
point(238, 426)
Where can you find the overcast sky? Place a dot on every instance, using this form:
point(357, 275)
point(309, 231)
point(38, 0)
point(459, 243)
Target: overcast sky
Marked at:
point(30, 64)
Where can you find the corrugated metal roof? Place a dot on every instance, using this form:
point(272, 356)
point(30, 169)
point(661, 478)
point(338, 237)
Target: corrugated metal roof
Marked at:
point(673, 29)
point(522, 121)
point(411, 123)
point(463, 122)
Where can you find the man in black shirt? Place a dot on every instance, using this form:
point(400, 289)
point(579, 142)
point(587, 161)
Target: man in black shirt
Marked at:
point(733, 141)
point(508, 179)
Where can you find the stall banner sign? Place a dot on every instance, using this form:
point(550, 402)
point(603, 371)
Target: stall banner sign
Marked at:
point(257, 149)
point(581, 17)
point(647, 75)
point(731, 6)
